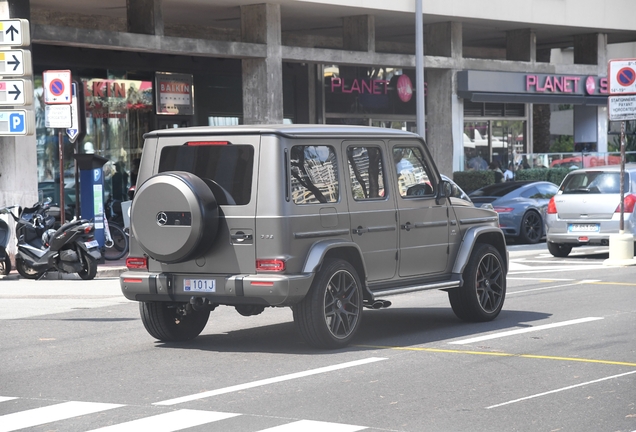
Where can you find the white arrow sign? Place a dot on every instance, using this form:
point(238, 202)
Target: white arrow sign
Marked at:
point(16, 92)
point(14, 32)
point(15, 62)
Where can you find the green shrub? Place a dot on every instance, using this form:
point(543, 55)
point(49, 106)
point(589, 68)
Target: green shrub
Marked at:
point(472, 180)
point(554, 175)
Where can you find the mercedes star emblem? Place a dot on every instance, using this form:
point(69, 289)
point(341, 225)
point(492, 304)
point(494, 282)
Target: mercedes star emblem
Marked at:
point(162, 218)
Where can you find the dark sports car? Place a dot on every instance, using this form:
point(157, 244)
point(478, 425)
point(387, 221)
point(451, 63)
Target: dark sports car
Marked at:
point(521, 206)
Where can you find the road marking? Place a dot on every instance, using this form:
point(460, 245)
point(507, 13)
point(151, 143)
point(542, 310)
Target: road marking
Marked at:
point(169, 422)
point(314, 426)
point(509, 293)
point(524, 330)
point(6, 398)
point(540, 279)
point(500, 354)
point(561, 389)
point(51, 413)
point(268, 381)
point(561, 269)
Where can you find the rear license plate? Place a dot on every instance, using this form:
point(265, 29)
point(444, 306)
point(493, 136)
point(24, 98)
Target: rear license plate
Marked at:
point(199, 285)
point(91, 244)
point(583, 228)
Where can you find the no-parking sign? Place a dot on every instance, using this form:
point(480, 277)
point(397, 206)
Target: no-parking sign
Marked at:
point(57, 87)
point(622, 77)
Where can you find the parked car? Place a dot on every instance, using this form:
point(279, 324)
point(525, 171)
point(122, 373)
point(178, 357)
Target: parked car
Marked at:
point(323, 219)
point(586, 209)
point(521, 206)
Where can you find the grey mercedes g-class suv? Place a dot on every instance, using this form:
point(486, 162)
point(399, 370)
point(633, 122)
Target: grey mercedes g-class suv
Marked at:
point(324, 219)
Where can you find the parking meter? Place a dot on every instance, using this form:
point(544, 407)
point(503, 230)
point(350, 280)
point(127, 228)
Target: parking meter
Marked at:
point(92, 191)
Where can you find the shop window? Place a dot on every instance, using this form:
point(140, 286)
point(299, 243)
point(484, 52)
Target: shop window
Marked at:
point(314, 177)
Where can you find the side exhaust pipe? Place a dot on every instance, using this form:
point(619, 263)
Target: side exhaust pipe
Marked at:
point(378, 304)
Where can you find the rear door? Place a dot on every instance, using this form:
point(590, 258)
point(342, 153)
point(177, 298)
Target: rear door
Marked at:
point(371, 207)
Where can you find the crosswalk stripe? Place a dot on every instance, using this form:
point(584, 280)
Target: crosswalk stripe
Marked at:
point(48, 414)
point(169, 422)
point(6, 398)
point(314, 426)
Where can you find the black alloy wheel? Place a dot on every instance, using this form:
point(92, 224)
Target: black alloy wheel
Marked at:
point(531, 227)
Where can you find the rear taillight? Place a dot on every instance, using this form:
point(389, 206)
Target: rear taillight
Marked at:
point(270, 265)
point(503, 209)
point(552, 206)
point(137, 263)
point(629, 201)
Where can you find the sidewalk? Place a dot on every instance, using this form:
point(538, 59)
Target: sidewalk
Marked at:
point(111, 268)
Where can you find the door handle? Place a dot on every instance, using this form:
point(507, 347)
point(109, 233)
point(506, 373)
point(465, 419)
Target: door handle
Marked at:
point(407, 226)
point(360, 230)
point(241, 236)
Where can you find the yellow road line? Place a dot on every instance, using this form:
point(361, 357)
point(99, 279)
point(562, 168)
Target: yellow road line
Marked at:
point(608, 283)
point(500, 354)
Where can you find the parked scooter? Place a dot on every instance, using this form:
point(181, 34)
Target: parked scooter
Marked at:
point(5, 261)
point(70, 249)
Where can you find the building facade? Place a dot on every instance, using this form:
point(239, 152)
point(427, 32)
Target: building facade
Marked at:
point(492, 72)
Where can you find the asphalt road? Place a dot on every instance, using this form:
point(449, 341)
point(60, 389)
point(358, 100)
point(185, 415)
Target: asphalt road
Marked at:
point(560, 357)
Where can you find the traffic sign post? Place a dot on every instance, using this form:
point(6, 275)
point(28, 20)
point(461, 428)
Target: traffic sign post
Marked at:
point(16, 92)
point(621, 76)
point(57, 87)
point(76, 126)
point(15, 32)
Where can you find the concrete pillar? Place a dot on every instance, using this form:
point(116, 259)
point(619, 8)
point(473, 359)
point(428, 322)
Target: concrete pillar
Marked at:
point(262, 78)
point(18, 156)
point(443, 39)
point(358, 33)
point(521, 45)
point(144, 16)
point(591, 49)
point(443, 107)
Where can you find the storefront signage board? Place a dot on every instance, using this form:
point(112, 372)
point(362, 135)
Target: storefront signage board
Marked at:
point(174, 94)
point(622, 76)
point(622, 108)
point(16, 92)
point(15, 32)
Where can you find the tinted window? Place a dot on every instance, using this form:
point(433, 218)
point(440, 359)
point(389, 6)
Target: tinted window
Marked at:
point(496, 190)
point(412, 172)
point(226, 169)
point(366, 173)
point(594, 182)
point(314, 176)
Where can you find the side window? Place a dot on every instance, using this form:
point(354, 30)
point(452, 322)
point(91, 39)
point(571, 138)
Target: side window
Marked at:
point(412, 171)
point(533, 193)
point(366, 173)
point(313, 174)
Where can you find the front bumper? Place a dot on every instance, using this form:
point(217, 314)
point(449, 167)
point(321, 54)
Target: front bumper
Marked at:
point(266, 290)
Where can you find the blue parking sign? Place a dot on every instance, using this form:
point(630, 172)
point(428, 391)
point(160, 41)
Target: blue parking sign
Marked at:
point(16, 123)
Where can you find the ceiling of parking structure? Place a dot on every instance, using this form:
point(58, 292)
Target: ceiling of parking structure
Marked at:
point(322, 19)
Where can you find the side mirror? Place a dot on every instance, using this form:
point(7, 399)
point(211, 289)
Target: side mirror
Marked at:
point(445, 190)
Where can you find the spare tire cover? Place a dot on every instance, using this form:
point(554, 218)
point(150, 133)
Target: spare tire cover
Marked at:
point(174, 217)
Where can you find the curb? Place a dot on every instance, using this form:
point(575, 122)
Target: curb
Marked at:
point(110, 272)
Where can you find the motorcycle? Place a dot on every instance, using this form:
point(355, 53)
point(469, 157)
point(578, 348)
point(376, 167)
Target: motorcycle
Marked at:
point(5, 261)
point(70, 249)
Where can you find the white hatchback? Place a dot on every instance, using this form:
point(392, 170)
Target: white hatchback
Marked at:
point(586, 210)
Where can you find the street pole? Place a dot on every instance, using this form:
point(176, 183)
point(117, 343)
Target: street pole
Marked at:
point(419, 70)
point(621, 226)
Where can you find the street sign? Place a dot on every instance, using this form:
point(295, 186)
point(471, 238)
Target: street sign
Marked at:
point(622, 108)
point(622, 77)
point(17, 122)
point(57, 87)
point(15, 32)
point(15, 62)
point(74, 130)
point(16, 92)
point(57, 116)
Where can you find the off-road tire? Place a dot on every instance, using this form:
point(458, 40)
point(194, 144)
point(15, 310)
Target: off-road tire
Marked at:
point(482, 295)
point(162, 321)
point(330, 314)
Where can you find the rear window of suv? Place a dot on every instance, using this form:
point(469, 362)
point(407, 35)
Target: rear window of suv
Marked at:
point(594, 182)
point(225, 168)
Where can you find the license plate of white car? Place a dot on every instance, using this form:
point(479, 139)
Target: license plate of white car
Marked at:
point(583, 228)
point(91, 244)
point(199, 285)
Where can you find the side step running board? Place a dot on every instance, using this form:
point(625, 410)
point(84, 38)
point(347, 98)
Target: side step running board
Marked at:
point(414, 288)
